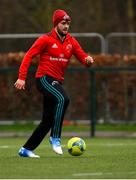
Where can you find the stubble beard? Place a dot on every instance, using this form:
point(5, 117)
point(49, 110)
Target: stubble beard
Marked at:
point(60, 32)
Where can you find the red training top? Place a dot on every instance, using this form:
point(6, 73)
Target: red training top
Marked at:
point(54, 55)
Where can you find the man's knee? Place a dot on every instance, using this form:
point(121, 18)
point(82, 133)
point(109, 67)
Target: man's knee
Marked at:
point(63, 100)
point(66, 100)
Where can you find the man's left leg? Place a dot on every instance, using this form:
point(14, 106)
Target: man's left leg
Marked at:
point(62, 104)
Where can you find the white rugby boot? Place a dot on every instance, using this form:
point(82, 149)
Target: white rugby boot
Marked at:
point(23, 152)
point(56, 146)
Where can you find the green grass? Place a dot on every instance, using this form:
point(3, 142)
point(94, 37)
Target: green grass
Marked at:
point(17, 127)
point(104, 158)
point(28, 127)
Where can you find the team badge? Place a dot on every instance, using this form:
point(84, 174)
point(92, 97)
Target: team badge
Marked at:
point(69, 47)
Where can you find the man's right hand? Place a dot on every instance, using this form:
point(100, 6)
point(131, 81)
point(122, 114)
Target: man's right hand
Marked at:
point(20, 84)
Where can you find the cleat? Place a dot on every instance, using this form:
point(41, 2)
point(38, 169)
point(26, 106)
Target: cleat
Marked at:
point(56, 146)
point(27, 153)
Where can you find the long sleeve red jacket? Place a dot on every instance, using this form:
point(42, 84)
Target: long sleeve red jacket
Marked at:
point(54, 55)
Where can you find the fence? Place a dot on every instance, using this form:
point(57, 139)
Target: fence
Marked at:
point(10, 41)
point(122, 43)
point(90, 92)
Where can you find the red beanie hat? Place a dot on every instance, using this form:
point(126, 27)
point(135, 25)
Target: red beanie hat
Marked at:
point(60, 15)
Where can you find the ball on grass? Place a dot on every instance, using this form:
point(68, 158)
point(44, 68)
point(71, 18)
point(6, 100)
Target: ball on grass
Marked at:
point(76, 146)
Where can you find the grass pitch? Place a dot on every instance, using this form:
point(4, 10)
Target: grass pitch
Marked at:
point(104, 158)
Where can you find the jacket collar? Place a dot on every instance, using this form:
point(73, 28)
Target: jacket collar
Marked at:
point(54, 34)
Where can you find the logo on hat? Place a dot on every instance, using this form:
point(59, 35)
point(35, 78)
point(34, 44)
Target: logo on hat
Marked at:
point(66, 17)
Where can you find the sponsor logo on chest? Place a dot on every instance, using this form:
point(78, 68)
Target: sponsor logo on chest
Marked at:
point(58, 59)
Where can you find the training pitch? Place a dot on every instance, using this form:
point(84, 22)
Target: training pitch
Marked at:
point(104, 158)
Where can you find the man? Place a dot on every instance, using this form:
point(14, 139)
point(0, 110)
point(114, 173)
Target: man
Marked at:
point(55, 50)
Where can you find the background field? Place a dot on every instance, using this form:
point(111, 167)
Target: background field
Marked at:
point(104, 158)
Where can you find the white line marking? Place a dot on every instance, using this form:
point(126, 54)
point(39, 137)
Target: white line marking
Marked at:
point(88, 174)
point(102, 173)
point(114, 144)
point(4, 146)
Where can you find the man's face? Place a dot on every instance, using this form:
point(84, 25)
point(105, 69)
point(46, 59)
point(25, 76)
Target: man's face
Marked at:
point(63, 27)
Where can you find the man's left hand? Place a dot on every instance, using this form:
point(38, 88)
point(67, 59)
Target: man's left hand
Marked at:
point(89, 60)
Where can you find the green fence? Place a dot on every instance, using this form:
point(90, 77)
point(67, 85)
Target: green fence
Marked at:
point(93, 89)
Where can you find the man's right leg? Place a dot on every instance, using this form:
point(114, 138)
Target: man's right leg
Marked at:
point(45, 125)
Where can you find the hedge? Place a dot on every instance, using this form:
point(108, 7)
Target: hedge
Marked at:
point(116, 91)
